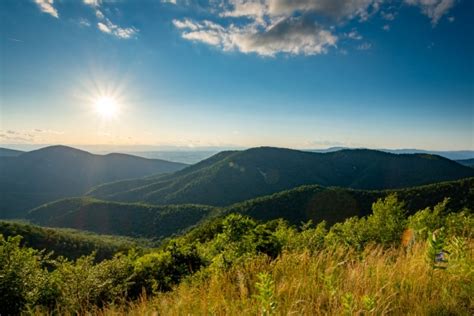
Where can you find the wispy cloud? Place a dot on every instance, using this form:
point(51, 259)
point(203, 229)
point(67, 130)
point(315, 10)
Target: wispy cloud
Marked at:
point(364, 46)
point(106, 26)
point(14, 40)
point(28, 136)
point(46, 6)
point(84, 22)
point(434, 9)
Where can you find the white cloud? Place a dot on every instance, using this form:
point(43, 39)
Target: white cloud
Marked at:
point(46, 6)
point(169, 1)
point(434, 9)
point(99, 14)
point(292, 36)
point(389, 16)
point(110, 28)
point(84, 22)
point(270, 27)
point(93, 3)
point(106, 26)
point(354, 35)
point(306, 27)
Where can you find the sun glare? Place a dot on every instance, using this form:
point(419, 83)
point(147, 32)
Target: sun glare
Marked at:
point(106, 107)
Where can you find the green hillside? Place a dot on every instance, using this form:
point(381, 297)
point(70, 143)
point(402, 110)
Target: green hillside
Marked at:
point(231, 177)
point(55, 172)
point(129, 219)
point(332, 204)
point(297, 205)
point(69, 243)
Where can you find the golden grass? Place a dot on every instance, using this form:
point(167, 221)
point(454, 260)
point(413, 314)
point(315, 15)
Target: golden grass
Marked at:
point(331, 282)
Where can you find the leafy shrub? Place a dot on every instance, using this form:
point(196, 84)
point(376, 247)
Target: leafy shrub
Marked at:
point(158, 271)
point(22, 276)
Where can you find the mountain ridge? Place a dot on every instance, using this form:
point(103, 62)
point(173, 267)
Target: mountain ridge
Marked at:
point(234, 176)
point(50, 173)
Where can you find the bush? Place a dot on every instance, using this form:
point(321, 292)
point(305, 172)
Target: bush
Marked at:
point(159, 271)
point(22, 276)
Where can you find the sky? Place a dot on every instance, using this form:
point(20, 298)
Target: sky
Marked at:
point(237, 73)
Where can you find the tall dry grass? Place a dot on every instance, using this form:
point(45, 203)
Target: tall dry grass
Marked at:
point(330, 282)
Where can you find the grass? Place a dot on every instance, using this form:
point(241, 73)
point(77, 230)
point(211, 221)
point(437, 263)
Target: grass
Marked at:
point(338, 281)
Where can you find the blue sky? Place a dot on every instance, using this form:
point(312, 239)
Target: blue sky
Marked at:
point(301, 74)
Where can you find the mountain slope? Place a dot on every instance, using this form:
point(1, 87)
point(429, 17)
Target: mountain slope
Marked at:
point(130, 219)
point(69, 243)
point(298, 205)
point(316, 203)
point(54, 172)
point(234, 176)
point(6, 152)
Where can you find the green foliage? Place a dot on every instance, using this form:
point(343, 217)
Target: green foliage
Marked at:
point(435, 252)
point(428, 220)
point(241, 237)
point(158, 271)
point(22, 276)
point(82, 283)
point(70, 243)
point(266, 294)
point(387, 222)
point(384, 226)
point(222, 244)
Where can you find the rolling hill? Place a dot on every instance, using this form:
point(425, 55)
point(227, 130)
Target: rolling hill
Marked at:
point(311, 202)
point(70, 243)
point(50, 173)
point(129, 219)
point(235, 176)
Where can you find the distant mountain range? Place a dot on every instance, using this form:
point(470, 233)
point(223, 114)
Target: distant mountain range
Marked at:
point(466, 162)
point(234, 176)
point(5, 152)
point(450, 154)
point(33, 178)
point(312, 202)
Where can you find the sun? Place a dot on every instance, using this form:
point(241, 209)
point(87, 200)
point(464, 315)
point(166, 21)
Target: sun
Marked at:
point(106, 107)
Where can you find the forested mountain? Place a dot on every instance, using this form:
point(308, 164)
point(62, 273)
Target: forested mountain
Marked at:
point(466, 162)
point(312, 202)
point(234, 176)
point(316, 203)
point(50, 173)
point(69, 243)
point(130, 219)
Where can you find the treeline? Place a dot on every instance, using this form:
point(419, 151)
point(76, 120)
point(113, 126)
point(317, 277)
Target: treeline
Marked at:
point(70, 243)
point(220, 249)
